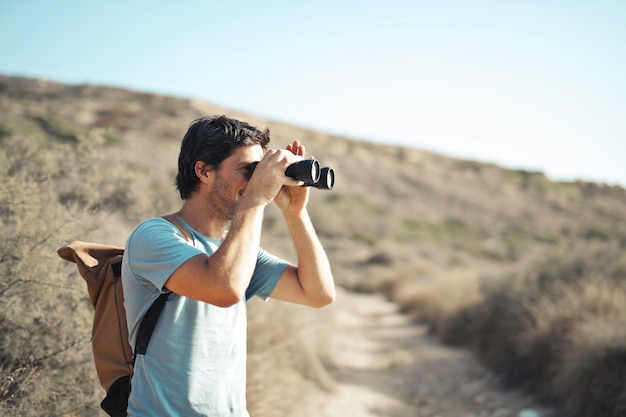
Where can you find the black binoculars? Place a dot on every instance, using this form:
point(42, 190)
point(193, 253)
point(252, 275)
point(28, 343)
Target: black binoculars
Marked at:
point(310, 172)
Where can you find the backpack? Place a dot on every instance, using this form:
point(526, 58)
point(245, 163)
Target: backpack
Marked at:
point(100, 266)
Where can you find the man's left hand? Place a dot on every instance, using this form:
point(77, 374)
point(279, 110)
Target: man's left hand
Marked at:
point(293, 200)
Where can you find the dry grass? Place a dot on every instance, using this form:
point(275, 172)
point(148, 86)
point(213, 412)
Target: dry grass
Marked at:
point(589, 379)
point(560, 337)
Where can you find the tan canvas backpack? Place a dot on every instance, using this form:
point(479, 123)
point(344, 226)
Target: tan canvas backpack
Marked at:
point(100, 266)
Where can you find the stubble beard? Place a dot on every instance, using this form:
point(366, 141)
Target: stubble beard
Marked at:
point(221, 204)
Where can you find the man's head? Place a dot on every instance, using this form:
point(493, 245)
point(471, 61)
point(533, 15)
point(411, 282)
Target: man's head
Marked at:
point(212, 140)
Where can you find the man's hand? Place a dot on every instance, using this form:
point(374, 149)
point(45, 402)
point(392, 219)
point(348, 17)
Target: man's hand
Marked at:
point(269, 176)
point(293, 200)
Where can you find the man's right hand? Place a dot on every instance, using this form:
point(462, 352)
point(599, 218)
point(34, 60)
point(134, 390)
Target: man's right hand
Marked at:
point(269, 175)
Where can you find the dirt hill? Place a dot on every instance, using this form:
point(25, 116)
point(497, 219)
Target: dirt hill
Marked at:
point(420, 228)
point(387, 198)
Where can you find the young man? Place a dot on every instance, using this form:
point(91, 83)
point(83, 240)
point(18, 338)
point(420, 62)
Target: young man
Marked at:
point(195, 363)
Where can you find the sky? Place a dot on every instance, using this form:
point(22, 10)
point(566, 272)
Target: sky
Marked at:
point(527, 84)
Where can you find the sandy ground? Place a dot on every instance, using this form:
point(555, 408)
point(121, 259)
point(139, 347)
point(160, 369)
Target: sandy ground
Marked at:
point(387, 366)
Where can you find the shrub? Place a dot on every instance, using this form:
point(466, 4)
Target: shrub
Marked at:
point(497, 322)
point(557, 330)
point(44, 326)
point(557, 315)
point(591, 377)
point(45, 354)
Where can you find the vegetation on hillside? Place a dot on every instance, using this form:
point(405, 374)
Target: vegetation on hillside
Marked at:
point(44, 321)
point(527, 272)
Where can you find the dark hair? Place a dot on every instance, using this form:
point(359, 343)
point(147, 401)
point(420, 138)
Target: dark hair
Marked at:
point(212, 140)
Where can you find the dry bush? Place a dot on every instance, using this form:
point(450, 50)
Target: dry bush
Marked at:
point(557, 330)
point(44, 325)
point(591, 377)
point(53, 192)
point(554, 318)
point(497, 322)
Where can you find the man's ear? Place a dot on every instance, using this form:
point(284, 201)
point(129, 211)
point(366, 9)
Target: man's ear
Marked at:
point(204, 171)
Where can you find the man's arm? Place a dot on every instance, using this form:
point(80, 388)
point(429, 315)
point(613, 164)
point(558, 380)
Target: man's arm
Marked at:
point(311, 282)
point(222, 278)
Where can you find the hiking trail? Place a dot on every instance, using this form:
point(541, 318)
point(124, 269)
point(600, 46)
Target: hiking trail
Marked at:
point(385, 365)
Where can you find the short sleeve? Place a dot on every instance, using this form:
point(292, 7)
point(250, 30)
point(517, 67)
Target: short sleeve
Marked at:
point(268, 270)
point(156, 249)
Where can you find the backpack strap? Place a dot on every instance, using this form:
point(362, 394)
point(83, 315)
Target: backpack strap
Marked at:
point(149, 321)
point(172, 218)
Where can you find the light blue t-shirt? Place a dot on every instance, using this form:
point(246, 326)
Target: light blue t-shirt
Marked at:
point(195, 364)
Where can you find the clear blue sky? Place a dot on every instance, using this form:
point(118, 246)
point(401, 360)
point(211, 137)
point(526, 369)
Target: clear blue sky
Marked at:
point(533, 84)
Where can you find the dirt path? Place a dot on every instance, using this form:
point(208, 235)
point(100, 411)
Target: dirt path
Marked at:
point(387, 366)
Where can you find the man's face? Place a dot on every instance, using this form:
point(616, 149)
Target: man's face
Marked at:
point(231, 180)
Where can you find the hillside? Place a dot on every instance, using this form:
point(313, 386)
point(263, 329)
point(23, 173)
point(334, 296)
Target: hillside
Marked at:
point(439, 236)
point(396, 193)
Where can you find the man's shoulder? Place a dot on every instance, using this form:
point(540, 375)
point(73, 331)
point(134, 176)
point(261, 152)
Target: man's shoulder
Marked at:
point(155, 225)
point(152, 223)
point(155, 249)
point(149, 233)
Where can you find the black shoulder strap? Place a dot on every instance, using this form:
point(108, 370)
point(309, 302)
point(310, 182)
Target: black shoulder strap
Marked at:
point(149, 321)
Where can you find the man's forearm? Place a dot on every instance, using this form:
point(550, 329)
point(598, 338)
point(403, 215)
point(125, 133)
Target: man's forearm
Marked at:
point(237, 255)
point(314, 272)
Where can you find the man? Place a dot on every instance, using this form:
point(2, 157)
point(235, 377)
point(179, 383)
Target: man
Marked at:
point(195, 363)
